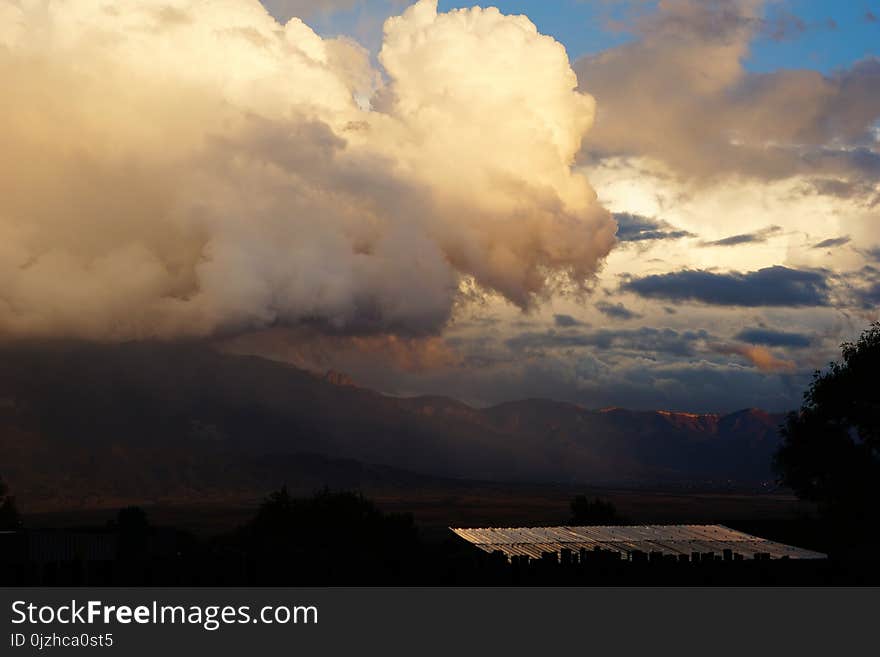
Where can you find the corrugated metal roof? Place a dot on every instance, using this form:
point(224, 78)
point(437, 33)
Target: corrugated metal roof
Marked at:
point(668, 539)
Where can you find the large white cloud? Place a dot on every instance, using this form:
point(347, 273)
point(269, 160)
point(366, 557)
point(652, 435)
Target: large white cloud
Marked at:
point(194, 167)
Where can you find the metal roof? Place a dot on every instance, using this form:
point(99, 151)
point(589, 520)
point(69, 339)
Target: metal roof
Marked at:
point(668, 539)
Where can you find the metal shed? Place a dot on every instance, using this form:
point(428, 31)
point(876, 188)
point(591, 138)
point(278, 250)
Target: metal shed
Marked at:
point(669, 540)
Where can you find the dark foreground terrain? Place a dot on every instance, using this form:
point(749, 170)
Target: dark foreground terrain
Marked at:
point(333, 538)
point(188, 442)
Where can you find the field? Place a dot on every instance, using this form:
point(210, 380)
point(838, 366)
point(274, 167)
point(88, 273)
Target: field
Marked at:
point(482, 504)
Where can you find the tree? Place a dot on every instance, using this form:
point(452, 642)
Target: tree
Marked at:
point(133, 528)
point(132, 520)
point(830, 453)
point(331, 537)
point(595, 512)
point(10, 520)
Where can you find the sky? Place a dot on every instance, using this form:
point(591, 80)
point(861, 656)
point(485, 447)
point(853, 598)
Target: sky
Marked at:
point(819, 34)
point(668, 204)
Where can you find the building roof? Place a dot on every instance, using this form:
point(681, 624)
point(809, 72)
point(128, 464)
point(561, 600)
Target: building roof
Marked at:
point(668, 539)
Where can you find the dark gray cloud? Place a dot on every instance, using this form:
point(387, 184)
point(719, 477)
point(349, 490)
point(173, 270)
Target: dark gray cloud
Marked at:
point(771, 338)
point(566, 321)
point(646, 340)
point(832, 242)
point(616, 310)
point(858, 159)
point(771, 286)
point(638, 228)
point(755, 237)
point(871, 296)
point(861, 288)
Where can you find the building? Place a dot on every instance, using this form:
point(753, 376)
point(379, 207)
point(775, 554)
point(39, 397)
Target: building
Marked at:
point(630, 543)
point(56, 556)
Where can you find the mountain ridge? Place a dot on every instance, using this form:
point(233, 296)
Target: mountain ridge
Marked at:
point(116, 418)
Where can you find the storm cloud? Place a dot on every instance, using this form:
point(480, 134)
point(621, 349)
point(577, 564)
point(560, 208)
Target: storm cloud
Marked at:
point(616, 310)
point(755, 237)
point(171, 172)
point(832, 242)
point(646, 340)
point(771, 338)
point(566, 321)
point(771, 286)
point(636, 228)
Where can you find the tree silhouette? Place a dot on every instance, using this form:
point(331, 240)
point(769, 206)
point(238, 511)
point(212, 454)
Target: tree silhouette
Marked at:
point(593, 512)
point(830, 448)
point(133, 529)
point(10, 519)
point(329, 537)
point(132, 520)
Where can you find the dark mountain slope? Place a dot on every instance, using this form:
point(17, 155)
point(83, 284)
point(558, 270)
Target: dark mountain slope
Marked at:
point(141, 418)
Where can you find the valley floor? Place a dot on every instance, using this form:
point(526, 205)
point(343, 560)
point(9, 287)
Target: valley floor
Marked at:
point(470, 504)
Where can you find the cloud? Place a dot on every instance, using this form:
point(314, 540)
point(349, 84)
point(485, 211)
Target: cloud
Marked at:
point(170, 171)
point(319, 352)
point(636, 228)
point(870, 296)
point(643, 340)
point(861, 288)
point(760, 357)
point(756, 237)
point(833, 242)
point(771, 286)
point(844, 189)
point(678, 93)
point(566, 321)
point(616, 310)
point(701, 381)
point(783, 25)
point(771, 338)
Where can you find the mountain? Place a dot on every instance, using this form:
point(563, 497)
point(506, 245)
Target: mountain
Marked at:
point(80, 422)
